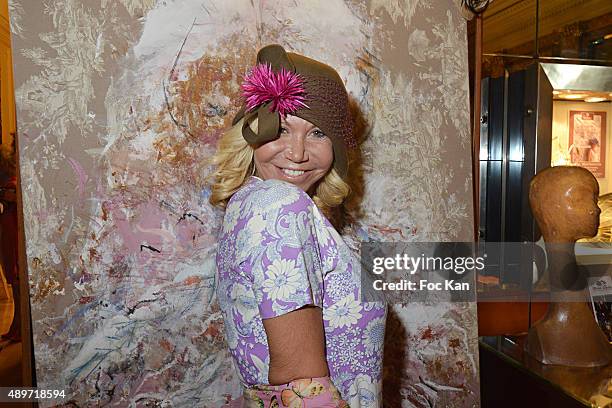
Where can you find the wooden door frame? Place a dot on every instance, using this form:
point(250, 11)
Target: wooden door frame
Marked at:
point(9, 135)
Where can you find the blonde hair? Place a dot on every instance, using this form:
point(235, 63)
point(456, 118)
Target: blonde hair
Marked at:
point(234, 162)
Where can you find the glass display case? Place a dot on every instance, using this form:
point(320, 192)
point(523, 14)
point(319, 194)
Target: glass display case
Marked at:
point(510, 377)
point(546, 100)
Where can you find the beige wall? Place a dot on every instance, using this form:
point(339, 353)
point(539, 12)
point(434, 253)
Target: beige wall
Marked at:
point(560, 136)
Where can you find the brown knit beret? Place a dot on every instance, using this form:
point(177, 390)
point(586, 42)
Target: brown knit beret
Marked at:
point(325, 96)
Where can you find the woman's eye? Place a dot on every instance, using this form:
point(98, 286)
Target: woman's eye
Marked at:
point(283, 130)
point(318, 133)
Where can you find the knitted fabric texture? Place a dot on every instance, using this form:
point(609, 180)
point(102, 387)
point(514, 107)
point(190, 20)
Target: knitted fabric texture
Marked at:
point(329, 109)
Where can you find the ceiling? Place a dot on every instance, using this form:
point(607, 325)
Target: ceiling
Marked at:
point(508, 24)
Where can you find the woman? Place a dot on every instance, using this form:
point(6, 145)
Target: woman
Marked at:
point(288, 285)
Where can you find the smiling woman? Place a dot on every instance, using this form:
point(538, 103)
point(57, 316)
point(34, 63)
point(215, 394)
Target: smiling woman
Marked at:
point(288, 285)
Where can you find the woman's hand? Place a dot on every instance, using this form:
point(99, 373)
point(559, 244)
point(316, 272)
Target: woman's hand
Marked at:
point(296, 342)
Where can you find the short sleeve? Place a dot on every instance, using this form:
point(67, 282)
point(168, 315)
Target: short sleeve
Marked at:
point(280, 253)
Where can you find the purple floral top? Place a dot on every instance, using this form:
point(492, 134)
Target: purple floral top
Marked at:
point(277, 253)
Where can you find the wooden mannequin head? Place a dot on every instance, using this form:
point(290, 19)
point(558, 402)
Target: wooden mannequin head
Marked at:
point(563, 200)
point(564, 203)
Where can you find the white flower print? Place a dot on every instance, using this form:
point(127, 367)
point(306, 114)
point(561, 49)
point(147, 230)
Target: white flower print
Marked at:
point(364, 392)
point(230, 334)
point(254, 227)
point(344, 313)
point(282, 279)
point(262, 366)
point(345, 350)
point(244, 303)
point(256, 224)
point(328, 258)
point(339, 285)
point(341, 378)
point(322, 230)
point(232, 214)
point(374, 335)
point(278, 194)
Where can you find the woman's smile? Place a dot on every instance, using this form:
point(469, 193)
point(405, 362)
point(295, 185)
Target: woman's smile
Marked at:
point(293, 173)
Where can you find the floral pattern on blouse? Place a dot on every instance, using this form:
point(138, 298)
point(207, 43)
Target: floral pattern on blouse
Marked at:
point(278, 253)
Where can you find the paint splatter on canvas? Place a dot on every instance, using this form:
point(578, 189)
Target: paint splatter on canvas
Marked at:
point(120, 104)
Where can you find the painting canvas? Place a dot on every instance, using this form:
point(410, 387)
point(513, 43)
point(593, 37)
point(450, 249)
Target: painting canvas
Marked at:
point(119, 107)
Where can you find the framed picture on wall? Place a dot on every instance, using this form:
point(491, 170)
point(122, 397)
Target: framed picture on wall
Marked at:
point(587, 141)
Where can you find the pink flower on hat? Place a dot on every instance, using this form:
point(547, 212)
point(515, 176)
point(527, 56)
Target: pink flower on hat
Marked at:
point(284, 89)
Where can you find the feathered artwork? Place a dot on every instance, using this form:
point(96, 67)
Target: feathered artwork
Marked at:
point(284, 89)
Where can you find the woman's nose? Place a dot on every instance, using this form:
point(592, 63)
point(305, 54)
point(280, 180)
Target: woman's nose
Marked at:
point(296, 149)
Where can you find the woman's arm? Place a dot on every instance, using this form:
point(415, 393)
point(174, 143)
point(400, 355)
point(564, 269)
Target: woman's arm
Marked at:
point(296, 341)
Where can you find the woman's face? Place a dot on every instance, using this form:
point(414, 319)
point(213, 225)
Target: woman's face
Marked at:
point(301, 155)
